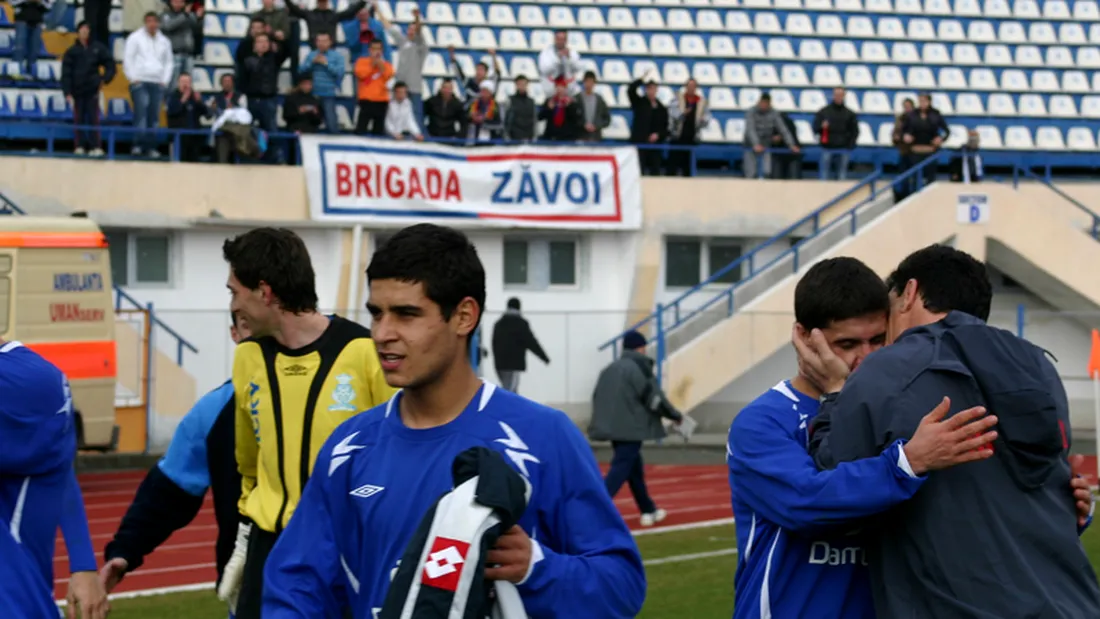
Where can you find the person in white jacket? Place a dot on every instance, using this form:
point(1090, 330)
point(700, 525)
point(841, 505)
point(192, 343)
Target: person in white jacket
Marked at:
point(559, 60)
point(148, 64)
point(400, 120)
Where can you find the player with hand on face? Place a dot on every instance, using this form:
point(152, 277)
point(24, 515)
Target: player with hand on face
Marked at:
point(571, 554)
point(796, 558)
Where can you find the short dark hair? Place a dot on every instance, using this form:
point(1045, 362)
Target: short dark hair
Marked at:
point(483, 65)
point(440, 258)
point(377, 42)
point(82, 24)
point(259, 20)
point(279, 258)
point(322, 34)
point(520, 77)
point(182, 73)
point(151, 14)
point(766, 97)
point(590, 75)
point(513, 303)
point(397, 85)
point(838, 289)
point(948, 279)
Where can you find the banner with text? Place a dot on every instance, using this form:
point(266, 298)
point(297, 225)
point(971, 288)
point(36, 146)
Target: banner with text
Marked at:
point(377, 181)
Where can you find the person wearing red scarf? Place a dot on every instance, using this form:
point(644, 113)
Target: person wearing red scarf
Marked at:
point(485, 117)
point(689, 117)
point(562, 115)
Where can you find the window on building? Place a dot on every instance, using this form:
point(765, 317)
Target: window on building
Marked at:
point(140, 258)
point(540, 263)
point(691, 260)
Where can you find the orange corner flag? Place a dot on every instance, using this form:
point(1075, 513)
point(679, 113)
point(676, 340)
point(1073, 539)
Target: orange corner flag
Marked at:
point(1094, 355)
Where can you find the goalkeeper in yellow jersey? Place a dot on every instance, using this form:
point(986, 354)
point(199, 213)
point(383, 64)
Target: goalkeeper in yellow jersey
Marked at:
point(296, 379)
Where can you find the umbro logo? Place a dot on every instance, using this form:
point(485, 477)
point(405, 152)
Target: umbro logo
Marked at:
point(366, 490)
point(295, 370)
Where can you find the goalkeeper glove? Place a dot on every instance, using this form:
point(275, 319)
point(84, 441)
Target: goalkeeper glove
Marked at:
point(230, 586)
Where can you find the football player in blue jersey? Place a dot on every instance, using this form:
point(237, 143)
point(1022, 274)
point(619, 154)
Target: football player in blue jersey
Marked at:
point(571, 554)
point(39, 491)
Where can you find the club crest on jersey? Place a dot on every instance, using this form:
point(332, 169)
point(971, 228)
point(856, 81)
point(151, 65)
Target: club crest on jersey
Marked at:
point(343, 394)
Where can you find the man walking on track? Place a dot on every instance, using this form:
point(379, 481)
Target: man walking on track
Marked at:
point(298, 377)
point(512, 338)
point(570, 556)
point(627, 407)
point(200, 456)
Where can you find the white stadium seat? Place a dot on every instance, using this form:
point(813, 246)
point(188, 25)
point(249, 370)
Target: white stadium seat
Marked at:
point(905, 53)
point(621, 18)
point(983, 79)
point(875, 102)
point(886, 134)
point(866, 135)
point(1075, 81)
point(1041, 32)
point(735, 130)
point(1028, 56)
point(937, 7)
point(908, 7)
point(482, 38)
point(675, 72)
point(859, 27)
point(780, 49)
point(1011, 32)
point(1081, 139)
point(990, 137)
point(998, 56)
point(935, 54)
point(874, 52)
point(1032, 105)
point(589, 18)
point(1001, 104)
point(841, 51)
point(708, 19)
point(470, 14)
point(1025, 9)
point(968, 8)
point(1062, 106)
point(1090, 106)
point(793, 75)
point(921, 78)
point(735, 74)
point(951, 30)
point(633, 43)
point(603, 43)
point(721, 46)
point(1049, 138)
point(738, 21)
point(680, 20)
point(958, 137)
point(751, 47)
point(943, 103)
point(562, 17)
point(981, 32)
point(965, 54)
point(767, 23)
point(830, 26)
point(650, 19)
point(1085, 10)
point(827, 75)
point(858, 76)
point(890, 28)
point(783, 100)
point(721, 98)
point(765, 75)
point(515, 40)
point(810, 101)
point(889, 77)
point(1071, 34)
point(953, 78)
point(996, 8)
point(616, 71)
point(969, 104)
point(1059, 56)
point(1014, 80)
point(706, 73)
point(799, 25)
point(1018, 138)
point(921, 29)
point(1088, 57)
point(663, 44)
point(1045, 81)
point(812, 50)
point(748, 97)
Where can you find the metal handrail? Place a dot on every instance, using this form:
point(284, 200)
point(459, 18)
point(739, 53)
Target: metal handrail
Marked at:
point(1026, 171)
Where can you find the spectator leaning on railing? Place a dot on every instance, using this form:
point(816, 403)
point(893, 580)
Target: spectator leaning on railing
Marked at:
point(412, 51)
point(180, 22)
point(595, 115)
point(373, 72)
point(521, 117)
point(967, 166)
point(787, 165)
point(400, 120)
point(902, 189)
point(649, 125)
point(563, 116)
point(690, 115)
point(81, 81)
point(147, 63)
point(762, 121)
point(301, 108)
point(444, 114)
point(185, 111)
point(924, 130)
point(837, 129)
point(326, 65)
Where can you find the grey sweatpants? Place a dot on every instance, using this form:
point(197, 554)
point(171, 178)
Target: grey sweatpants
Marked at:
point(509, 379)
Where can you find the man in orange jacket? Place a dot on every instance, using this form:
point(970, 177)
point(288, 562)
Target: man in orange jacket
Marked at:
point(374, 96)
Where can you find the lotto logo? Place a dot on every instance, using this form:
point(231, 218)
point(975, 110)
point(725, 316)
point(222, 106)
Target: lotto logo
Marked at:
point(444, 565)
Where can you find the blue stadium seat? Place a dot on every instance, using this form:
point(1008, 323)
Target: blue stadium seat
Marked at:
point(28, 106)
point(7, 42)
point(57, 108)
point(119, 112)
point(7, 110)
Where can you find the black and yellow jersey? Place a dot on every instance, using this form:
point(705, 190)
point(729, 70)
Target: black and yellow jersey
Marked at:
point(288, 403)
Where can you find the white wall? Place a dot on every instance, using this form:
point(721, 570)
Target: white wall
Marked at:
point(196, 305)
point(570, 324)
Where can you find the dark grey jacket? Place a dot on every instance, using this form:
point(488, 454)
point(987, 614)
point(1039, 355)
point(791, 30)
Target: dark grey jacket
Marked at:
point(180, 28)
point(521, 119)
point(995, 539)
point(627, 404)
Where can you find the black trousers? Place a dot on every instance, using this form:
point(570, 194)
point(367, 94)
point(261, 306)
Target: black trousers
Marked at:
point(627, 467)
point(98, 15)
point(250, 600)
point(372, 118)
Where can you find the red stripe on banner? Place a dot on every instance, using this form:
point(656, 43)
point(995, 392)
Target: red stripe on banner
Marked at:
point(611, 159)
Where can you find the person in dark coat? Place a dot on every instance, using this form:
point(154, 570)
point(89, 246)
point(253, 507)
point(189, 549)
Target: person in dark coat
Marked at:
point(521, 117)
point(444, 114)
point(185, 110)
point(787, 165)
point(260, 83)
point(595, 114)
point(627, 407)
point(924, 131)
point(512, 339)
point(81, 81)
point(1008, 514)
point(649, 125)
point(967, 166)
point(301, 109)
point(562, 114)
point(323, 18)
point(837, 129)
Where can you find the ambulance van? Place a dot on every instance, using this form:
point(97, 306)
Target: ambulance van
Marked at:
point(56, 298)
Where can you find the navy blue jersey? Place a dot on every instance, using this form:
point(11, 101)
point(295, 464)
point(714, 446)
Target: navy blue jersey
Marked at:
point(375, 478)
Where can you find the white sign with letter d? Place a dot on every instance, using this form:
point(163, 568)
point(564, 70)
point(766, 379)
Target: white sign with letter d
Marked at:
point(973, 208)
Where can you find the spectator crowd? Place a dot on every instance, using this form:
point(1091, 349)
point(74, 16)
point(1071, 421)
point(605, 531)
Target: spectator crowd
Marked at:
point(386, 63)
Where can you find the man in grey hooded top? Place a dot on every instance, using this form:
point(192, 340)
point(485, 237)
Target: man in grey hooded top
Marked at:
point(996, 539)
point(627, 407)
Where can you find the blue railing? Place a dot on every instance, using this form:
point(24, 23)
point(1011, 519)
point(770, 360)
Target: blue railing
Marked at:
point(1021, 170)
point(662, 327)
point(7, 207)
point(181, 343)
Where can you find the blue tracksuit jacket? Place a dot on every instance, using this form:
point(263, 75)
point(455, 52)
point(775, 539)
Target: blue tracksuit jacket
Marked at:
point(796, 558)
point(375, 478)
point(37, 484)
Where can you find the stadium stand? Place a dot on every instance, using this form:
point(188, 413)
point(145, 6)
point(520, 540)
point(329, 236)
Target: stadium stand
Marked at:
point(1024, 74)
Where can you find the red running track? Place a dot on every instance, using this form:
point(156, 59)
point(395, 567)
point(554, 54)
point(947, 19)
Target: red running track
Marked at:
point(689, 493)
